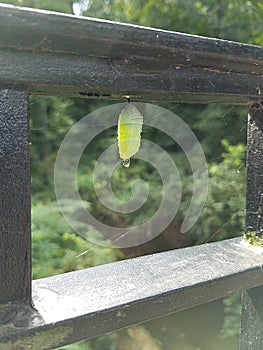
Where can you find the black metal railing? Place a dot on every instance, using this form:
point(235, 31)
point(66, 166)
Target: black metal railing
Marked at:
point(48, 53)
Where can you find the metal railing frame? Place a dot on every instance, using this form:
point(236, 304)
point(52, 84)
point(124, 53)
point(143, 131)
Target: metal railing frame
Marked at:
point(50, 53)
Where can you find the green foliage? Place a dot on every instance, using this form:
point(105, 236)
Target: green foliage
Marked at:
point(232, 309)
point(57, 248)
point(106, 341)
point(64, 6)
point(50, 120)
point(79, 346)
point(223, 214)
point(121, 184)
point(212, 123)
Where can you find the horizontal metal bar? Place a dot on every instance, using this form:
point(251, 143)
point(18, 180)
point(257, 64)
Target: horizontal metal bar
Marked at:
point(86, 303)
point(62, 54)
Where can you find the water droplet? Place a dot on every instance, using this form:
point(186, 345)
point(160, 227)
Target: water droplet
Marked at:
point(126, 162)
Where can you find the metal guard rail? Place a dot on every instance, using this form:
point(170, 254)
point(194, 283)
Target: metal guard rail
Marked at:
point(49, 53)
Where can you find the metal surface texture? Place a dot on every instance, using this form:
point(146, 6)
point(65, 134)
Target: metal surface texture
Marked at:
point(90, 302)
point(15, 237)
point(252, 307)
point(254, 202)
point(53, 53)
point(251, 335)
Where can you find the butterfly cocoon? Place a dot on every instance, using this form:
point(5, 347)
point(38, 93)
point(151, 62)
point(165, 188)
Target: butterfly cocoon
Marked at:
point(130, 124)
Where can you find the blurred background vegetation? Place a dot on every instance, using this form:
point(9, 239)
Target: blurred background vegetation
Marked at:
point(221, 129)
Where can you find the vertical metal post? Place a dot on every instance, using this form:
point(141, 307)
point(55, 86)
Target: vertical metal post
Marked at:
point(15, 237)
point(254, 200)
point(252, 320)
point(252, 300)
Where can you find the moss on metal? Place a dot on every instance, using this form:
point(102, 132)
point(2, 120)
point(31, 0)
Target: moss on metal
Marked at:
point(254, 238)
point(40, 341)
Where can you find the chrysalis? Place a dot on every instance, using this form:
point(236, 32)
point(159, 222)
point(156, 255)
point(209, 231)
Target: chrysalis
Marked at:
point(129, 133)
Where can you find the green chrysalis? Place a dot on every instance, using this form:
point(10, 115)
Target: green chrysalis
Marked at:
point(130, 123)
